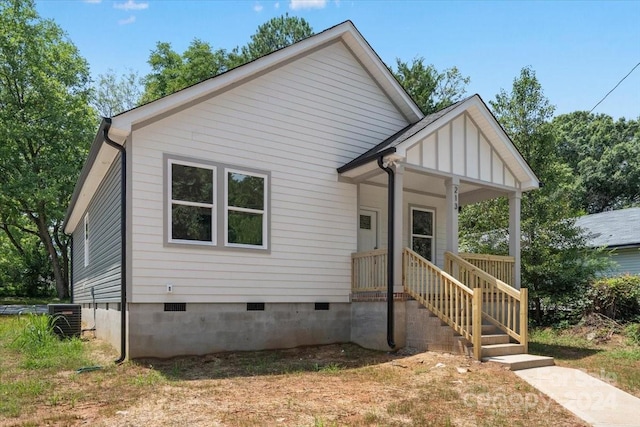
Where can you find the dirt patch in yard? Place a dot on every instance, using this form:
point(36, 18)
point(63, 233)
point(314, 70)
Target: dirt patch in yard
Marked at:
point(340, 384)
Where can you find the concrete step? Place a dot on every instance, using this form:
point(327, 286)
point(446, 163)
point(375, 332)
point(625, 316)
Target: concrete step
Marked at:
point(501, 349)
point(495, 339)
point(516, 362)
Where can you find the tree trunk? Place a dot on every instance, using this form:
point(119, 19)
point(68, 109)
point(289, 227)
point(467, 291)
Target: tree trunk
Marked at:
point(61, 285)
point(538, 304)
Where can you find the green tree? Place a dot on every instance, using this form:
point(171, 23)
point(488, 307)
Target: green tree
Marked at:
point(556, 265)
point(171, 71)
point(603, 154)
point(431, 89)
point(274, 34)
point(46, 126)
point(114, 94)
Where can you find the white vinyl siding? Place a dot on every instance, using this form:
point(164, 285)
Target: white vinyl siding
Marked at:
point(300, 122)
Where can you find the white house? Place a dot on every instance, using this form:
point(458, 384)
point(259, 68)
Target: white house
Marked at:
point(270, 207)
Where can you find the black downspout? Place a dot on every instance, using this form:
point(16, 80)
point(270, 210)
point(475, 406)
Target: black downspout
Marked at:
point(390, 252)
point(123, 237)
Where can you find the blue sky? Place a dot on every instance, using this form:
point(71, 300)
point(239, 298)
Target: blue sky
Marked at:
point(579, 50)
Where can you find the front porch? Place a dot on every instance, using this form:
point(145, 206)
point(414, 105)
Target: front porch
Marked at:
point(410, 190)
point(463, 295)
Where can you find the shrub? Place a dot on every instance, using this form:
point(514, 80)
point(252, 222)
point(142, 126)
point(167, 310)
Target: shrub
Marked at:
point(615, 297)
point(632, 331)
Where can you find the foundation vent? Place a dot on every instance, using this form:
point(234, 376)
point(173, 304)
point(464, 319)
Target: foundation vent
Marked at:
point(175, 306)
point(322, 306)
point(255, 306)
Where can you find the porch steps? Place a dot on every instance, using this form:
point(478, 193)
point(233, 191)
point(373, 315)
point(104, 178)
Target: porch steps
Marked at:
point(517, 362)
point(495, 339)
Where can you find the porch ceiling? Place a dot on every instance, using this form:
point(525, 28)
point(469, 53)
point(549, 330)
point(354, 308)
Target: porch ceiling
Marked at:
point(432, 185)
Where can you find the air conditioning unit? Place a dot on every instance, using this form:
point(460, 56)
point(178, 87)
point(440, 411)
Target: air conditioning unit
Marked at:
point(66, 319)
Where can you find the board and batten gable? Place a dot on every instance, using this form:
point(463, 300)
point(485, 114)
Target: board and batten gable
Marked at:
point(297, 123)
point(461, 148)
point(101, 270)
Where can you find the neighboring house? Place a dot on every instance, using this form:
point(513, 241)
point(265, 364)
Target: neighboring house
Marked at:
point(619, 232)
point(225, 216)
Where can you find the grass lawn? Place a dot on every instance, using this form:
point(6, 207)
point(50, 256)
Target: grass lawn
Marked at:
point(601, 350)
point(332, 385)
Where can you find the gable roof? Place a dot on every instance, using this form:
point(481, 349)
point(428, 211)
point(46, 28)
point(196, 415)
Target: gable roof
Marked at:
point(480, 113)
point(612, 229)
point(345, 32)
point(119, 127)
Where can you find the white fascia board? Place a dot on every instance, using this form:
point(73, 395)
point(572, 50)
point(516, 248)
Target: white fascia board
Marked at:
point(528, 179)
point(383, 75)
point(99, 169)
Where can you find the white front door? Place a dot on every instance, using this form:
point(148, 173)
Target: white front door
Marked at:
point(367, 230)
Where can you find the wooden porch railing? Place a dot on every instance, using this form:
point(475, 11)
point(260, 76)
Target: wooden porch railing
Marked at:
point(500, 267)
point(453, 302)
point(502, 305)
point(369, 271)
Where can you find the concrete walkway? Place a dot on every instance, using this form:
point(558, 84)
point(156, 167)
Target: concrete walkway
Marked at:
point(23, 309)
point(594, 400)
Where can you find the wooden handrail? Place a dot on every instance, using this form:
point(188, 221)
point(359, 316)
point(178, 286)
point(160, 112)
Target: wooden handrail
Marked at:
point(454, 303)
point(499, 266)
point(504, 306)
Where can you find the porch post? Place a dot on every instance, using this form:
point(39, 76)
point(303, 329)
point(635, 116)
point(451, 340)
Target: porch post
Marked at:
point(451, 186)
point(398, 229)
point(514, 234)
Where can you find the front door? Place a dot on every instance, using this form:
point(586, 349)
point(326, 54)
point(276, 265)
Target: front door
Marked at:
point(367, 230)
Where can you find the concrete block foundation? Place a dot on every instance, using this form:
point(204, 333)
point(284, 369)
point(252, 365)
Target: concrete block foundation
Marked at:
point(210, 328)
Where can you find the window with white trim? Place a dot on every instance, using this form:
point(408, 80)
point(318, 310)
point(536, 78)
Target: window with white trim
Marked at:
point(192, 207)
point(86, 239)
point(422, 228)
point(245, 209)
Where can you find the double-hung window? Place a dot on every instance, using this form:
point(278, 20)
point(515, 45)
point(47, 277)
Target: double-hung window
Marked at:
point(245, 209)
point(192, 188)
point(422, 226)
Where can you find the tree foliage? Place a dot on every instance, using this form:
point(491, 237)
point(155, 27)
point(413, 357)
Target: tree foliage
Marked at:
point(603, 154)
point(114, 94)
point(277, 33)
point(431, 89)
point(556, 265)
point(171, 71)
point(46, 125)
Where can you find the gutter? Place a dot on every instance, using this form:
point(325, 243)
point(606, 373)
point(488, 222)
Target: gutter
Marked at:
point(123, 236)
point(390, 246)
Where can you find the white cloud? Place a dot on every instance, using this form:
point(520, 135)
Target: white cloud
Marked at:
point(92, 1)
point(127, 21)
point(277, 5)
point(307, 4)
point(257, 7)
point(131, 5)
